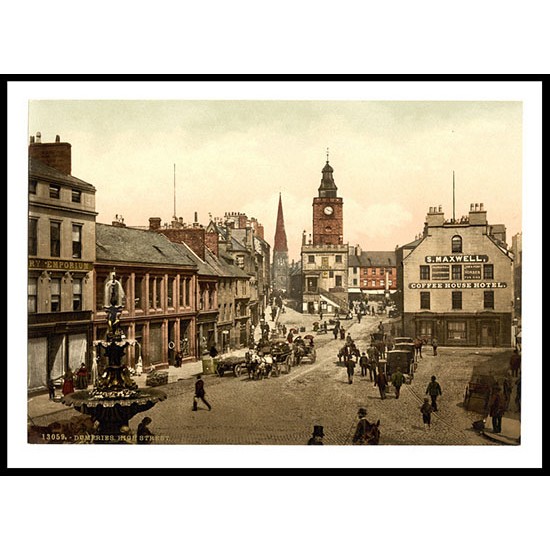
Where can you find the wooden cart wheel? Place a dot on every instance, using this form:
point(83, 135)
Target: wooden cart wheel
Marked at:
point(237, 371)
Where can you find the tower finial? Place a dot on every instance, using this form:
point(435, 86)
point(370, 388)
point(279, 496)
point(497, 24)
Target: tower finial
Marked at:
point(327, 155)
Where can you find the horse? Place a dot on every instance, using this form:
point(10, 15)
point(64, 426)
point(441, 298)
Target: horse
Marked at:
point(345, 352)
point(367, 433)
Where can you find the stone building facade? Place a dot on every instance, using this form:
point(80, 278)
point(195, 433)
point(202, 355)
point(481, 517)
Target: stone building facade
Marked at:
point(61, 255)
point(457, 281)
point(324, 257)
point(160, 282)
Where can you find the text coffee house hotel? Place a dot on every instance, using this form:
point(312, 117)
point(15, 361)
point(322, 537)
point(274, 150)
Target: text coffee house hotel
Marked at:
point(457, 281)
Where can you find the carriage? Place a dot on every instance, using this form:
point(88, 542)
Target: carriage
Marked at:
point(303, 348)
point(347, 351)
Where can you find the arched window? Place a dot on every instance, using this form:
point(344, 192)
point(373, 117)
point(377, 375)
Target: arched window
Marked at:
point(456, 244)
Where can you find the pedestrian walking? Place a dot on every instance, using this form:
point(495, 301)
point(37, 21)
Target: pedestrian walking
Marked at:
point(144, 434)
point(350, 367)
point(426, 410)
point(317, 436)
point(380, 327)
point(200, 393)
point(342, 333)
point(515, 362)
point(179, 358)
point(507, 389)
point(434, 345)
point(320, 316)
point(335, 331)
point(434, 390)
point(397, 381)
point(51, 389)
point(359, 316)
point(364, 364)
point(381, 381)
point(497, 409)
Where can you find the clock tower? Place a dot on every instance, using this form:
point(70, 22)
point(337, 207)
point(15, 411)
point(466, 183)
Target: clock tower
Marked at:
point(328, 211)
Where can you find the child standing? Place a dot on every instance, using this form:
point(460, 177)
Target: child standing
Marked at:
point(426, 411)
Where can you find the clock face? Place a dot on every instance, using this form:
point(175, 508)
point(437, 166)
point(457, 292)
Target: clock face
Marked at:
point(328, 210)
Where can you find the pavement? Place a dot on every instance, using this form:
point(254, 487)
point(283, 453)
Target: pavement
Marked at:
point(510, 433)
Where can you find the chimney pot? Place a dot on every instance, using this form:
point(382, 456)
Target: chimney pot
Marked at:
point(57, 139)
point(481, 206)
point(38, 136)
point(32, 139)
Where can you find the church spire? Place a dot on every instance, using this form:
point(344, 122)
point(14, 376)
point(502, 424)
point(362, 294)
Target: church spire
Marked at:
point(280, 244)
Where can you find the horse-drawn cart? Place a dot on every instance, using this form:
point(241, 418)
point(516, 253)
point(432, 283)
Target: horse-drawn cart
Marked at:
point(232, 363)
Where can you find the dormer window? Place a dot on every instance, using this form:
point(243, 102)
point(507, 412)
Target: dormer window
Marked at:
point(456, 244)
point(55, 191)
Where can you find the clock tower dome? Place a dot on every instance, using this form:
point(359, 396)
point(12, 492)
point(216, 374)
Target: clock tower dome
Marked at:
point(328, 211)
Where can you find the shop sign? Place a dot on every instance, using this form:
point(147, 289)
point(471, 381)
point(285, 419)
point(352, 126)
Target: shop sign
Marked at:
point(66, 265)
point(456, 285)
point(440, 273)
point(457, 259)
point(472, 272)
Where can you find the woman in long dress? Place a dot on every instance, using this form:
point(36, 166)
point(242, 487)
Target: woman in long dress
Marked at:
point(68, 382)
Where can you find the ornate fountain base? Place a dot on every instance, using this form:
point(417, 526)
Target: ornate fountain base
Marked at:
point(113, 409)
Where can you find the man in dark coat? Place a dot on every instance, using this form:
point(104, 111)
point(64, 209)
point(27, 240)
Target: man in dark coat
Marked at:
point(397, 380)
point(199, 393)
point(364, 364)
point(497, 409)
point(515, 362)
point(317, 436)
point(434, 390)
point(381, 381)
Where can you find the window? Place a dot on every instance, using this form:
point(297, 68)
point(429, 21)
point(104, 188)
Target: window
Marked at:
point(424, 300)
point(390, 271)
point(390, 282)
point(381, 271)
point(240, 262)
point(77, 294)
point(456, 330)
point(55, 191)
point(32, 187)
point(55, 239)
point(424, 272)
point(170, 292)
point(456, 244)
point(381, 282)
point(55, 294)
point(152, 284)
point(324, 261)
point(188, 292)
point(311, 259)
point(354, 270)
point(33, 236)
point(338, 280)
point(76, 195)
point(488, 271)
point(457, 300)
point(456, 273)
point(32, 293)
point(77, 241)
point(373, 283)
point(138, 292)
point(331, 274)
point(354, 282)
point(338, 259)
point(373, 271)
point(489, 299)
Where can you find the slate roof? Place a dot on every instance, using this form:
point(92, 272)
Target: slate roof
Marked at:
point(126, 244)
point(38, 169)
point(375, 258)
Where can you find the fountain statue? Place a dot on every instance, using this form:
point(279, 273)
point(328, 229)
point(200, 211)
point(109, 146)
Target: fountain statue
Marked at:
point(115, 397)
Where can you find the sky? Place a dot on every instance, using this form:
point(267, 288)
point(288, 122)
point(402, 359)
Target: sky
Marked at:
point(392, 160)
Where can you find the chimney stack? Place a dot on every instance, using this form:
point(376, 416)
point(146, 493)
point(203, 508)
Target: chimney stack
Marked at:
point(56, 155)
point(154, 224)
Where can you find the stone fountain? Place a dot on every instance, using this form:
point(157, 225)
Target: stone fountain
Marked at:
point(115, 397)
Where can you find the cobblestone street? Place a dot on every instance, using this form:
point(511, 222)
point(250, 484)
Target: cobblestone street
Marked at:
point(283, 410)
